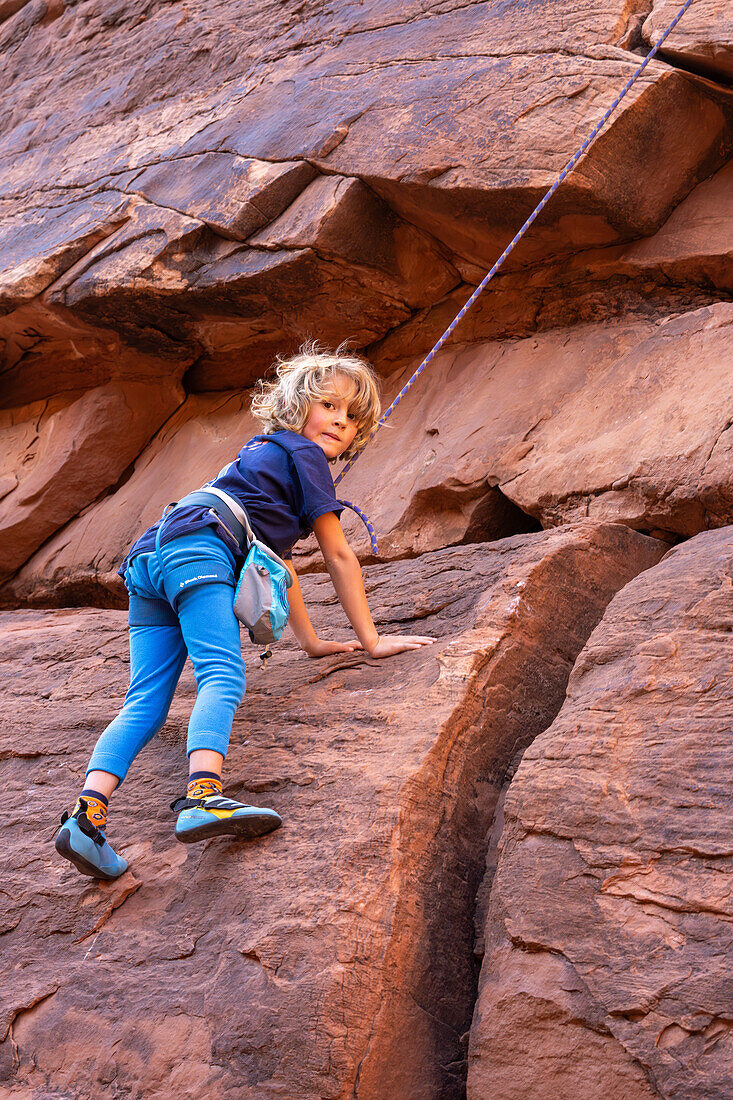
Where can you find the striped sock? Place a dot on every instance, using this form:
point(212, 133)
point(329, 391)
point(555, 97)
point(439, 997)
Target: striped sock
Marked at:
point(97, 806)
point(203, 784)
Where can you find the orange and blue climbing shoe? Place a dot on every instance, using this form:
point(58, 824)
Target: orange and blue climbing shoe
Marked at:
point(81, 842)
point(216, 815)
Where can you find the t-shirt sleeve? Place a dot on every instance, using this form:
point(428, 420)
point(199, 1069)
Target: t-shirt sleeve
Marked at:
point(316, 484)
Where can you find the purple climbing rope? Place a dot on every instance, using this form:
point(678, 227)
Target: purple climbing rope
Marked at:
point(512, 244)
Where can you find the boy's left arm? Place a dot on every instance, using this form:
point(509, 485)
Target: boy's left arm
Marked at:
point(302, 627)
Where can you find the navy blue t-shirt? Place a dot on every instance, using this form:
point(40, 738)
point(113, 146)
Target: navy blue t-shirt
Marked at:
point(282, 481)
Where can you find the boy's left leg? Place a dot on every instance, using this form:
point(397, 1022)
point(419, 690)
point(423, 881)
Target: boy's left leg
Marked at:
point(211, 633)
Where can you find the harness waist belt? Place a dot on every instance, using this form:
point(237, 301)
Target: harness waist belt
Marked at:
point(224, 507)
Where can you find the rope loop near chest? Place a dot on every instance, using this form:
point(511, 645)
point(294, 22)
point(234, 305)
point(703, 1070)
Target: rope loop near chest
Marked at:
point(367, 523)
point(510, 247)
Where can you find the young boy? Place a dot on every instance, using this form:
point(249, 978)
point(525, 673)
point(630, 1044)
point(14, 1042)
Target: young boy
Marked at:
point(181, 574)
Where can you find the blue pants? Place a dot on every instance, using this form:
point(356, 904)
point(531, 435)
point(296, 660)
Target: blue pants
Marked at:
point(183, 608)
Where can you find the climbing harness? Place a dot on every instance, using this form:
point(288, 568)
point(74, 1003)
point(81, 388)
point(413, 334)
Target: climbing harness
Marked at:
point(490, 274)
point(260, 597)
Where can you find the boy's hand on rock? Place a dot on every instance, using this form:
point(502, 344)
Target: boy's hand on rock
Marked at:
point(322, 648)
point(390, 644)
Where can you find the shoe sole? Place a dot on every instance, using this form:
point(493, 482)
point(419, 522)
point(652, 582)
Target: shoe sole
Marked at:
point(243, 828)
point(63, 847)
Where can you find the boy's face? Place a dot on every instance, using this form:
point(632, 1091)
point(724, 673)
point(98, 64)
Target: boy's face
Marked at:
point(330, 424)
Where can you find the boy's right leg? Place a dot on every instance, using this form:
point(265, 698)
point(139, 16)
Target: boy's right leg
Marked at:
point(212, 637)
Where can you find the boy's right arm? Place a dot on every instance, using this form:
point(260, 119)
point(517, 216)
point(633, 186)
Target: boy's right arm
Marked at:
point(302, 627)
point(345, 572)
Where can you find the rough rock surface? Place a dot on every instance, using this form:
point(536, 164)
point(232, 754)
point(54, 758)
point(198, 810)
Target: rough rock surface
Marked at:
point(333, 958)
point(481, 441)
point(79, 564)
point(187, 192)
point(569, 423)
point(695, 243)
point(609, 937)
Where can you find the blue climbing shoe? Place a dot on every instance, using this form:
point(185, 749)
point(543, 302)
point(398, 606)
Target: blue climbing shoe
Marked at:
point(84, 845)
point(215, 815)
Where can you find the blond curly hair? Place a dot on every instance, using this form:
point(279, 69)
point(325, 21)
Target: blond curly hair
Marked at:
point(285, 402)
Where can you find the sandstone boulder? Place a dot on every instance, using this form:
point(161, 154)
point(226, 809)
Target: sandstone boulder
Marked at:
point(702, 40)
point(338, 256)
point(234, 196)
point(609, 924)
point(333, 958)
point(658, 457)
point(342, 220)
point(79, 564)
point(40, 243)
point(60, 455)
point(696, 241)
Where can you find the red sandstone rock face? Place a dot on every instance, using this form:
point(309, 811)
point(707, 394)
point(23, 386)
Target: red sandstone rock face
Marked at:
point(187, 194)
point(696, 241)
point(609, 925)
point(334, 958)
point(572, 423)
point(79, 564)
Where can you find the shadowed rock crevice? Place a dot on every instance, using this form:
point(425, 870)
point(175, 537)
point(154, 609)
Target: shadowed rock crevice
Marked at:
point(432, 1007)
point(497, 517)
point(456, 515)
point(615, 859)
point(699, 67)
point(84, 588)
